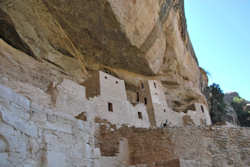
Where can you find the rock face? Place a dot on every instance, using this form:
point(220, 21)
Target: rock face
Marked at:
point(135, 40)
point(232, 115)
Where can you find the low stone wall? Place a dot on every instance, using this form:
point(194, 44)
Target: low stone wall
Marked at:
point(189, 146)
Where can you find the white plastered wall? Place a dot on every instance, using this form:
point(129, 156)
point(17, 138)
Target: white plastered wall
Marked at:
point(112, 86)
point(123, 112)
point(71, 99)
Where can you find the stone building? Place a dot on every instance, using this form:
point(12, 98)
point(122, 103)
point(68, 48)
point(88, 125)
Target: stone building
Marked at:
point(104, 96)
point(200, 116)
point(103, 84)
point(33, 133)
point(108, 100)
point(152, 95)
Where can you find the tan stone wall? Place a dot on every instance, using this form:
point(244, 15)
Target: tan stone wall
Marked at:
point(203, 109)
point(145, 97)
point(190, 146)
point(93, 85)
point(157, 92)
point(160, 107)
point(200, 116)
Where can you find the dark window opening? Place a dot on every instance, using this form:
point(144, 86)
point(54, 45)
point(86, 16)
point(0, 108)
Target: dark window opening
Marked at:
point(110, 107)
point(116, 82)
point(202, 109)
point(165, 124)
point(106, 77)
point(145, 101)
point(142, 85)
point(107, 71)
point(137, 96)
point(164, 110)
point(140, 115)
point(155, 84)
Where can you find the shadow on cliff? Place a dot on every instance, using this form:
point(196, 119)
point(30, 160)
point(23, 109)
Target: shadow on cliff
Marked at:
point(9, 34)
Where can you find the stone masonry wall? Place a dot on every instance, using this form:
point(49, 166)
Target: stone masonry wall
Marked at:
point(35, 132)
point(191, 146)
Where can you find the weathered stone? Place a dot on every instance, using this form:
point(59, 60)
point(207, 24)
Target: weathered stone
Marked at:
point(134, 40)
point(46, 118)
point(62, 140)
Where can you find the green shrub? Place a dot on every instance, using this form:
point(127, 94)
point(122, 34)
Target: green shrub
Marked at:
point(243, 116)
point(215, 98)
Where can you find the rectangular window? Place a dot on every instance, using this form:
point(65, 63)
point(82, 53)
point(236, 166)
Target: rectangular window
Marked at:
point(202, 109)
point(137, 96)
point(155, 84)
point(139, 115)
point(110, 107)
point(142, 85)
point(145, 101)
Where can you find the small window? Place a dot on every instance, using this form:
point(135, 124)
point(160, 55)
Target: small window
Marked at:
point(106, 77)
point(155, 84)
point(145, 101)
point(140, 115)
point(202, 109)
point(137, 96)
point(116, 82)
point(164, 110)
point(142, 85)
point(110, 107)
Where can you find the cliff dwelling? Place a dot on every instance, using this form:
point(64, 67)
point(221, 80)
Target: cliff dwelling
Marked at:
point(106, 83)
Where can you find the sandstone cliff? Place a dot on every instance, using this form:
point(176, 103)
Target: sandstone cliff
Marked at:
point(134, 40)
point(237, 109)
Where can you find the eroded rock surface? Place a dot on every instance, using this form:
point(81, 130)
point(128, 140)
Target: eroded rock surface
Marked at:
point(135, 40)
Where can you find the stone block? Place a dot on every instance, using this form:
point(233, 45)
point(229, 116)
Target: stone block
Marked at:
point(10, 95)
point(70, 87)
point(24, 126)
point(4, 160)
point(56, 159)
point(59, 126)
point(51, 118)
point(189, 163)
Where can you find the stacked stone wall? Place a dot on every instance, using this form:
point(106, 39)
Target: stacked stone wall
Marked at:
point(34, 135)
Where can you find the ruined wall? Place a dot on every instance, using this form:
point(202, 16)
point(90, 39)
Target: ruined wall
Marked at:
point(38, 136)
point(34, 132)
point(190, 146)
point(46, 119)
point(112, 104)
point(93, 85)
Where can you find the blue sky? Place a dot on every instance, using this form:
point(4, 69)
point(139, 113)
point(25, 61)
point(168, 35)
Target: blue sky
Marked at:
point(220, 34)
